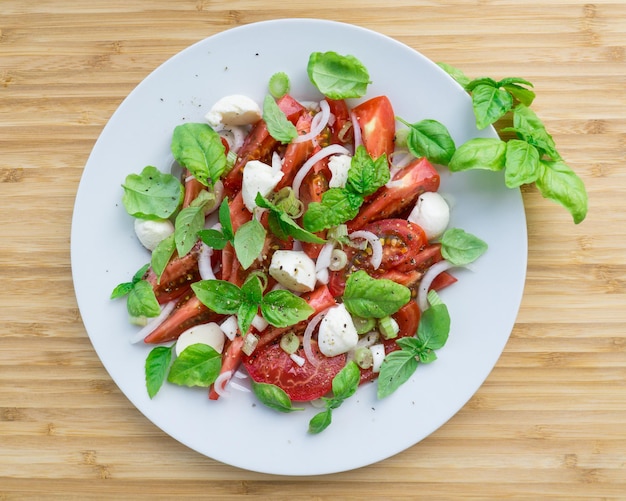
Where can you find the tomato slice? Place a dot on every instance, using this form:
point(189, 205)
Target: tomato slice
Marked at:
point(377, 122)
point(402, 242)
point(271, 364)
point(313, 187)
point(339, 133)
point(400, 195)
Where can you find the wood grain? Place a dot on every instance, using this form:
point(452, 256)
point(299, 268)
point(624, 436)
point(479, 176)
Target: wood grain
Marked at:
point(549, 422)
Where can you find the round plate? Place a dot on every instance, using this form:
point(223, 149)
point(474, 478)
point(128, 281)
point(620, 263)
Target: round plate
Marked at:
point(236, 429)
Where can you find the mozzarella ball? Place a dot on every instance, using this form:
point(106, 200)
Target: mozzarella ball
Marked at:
point(293, 270)
point(258, 177)
point(233, 110)
point(150, 233)
point(337, 333)
point(431, 213)
point(210, 334)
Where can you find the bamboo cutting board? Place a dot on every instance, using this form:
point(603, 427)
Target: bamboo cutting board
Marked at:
point(549, 422)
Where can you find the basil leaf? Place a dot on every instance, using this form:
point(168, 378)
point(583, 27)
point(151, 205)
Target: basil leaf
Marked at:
point(252, 290)
point(346, 382)
point(218, 295)
point(279, 127)
point(198, 365)
point(369, 297)
point(531, 129)
point(274, 397)
point(320, 421)
point(366, 175)
point(490, 104)
point(455, 73)
point(395, 370)
point(521, 162)
point(248, 242)
point(213, 238)
point(434, 327)
point(282, 308)
point(225, 220)
point(152, 194)
point(245, 315)
point(559, 182)
point(156, 367)
point(189, 221)
point(121, 290)
point(162, 254)
point(337, 76)
point(282, 224)
point(338, 205)
point(141, 301)
point(427, 356)
point(523, 95)
point(479, 153)
point(139, 274)
point(431, 139)
point(197, 147)
point(460, 247)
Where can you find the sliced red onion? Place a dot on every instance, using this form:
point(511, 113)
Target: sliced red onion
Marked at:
point(234, 135)
point(333, 149)
point(220, 383)
point(320, 120)
point(358, 139)
point(374, 241)
point(297, 359)
point(308, 334)
point(323, 259)
point(277, 163)
point(205, 264)
point(427, 280)
point(154, 323)
point(238, 387)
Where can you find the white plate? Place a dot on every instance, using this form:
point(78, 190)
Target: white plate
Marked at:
point(236, 430)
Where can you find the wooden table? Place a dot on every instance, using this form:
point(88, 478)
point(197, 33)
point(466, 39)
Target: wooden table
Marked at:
point(549, 422)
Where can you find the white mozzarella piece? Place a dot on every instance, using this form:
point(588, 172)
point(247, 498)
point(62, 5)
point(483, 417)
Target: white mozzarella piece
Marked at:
point(293, 270)
point(431, 213)
point(151, 233)
point(258, 177)
point(233, 110)
point(210, 334)
point(337, 333)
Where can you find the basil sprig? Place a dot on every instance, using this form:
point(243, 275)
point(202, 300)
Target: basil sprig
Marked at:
point(369, 297)
point(141, 300)
point(337, 76)
point(274, 397)
point(281, 308)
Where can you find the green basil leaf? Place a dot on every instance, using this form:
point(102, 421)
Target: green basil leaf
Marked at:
point(197, 147)
point(121, 290)
point(346, 381)
point(558, 182)
point(337, 76)
point(434, 327)
point(157, 365)
point(274, 397)
point(278, 125)
point(521, 163)
point(141, 301)
point(252, 290)
point(162, 254)
point(490, 104)
point(282, 224)
point(189, 222)
point(198, 365)
point(514, 81)
point(282, 308)
point(460, 247)
point(139, 274)
point(410, 344)
point(152, 194)
point(225, 220)
point(523, 95)
point(531, 129)
point(395, 370)
point(455, 73)
point(479, 153)
point(320, 421)
point(218, 295)
point(431, 139)
point(367, 175)
point(249, 241)
point(338, 205)
point(245, 315)
point(369, 297)
point(489, 82)
point(213, 238)
point(427, 356)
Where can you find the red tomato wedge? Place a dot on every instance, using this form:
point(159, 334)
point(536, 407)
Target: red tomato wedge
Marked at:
point(399, 195)
point(271, 364)
point(377, 121)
